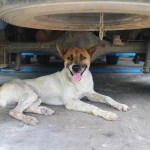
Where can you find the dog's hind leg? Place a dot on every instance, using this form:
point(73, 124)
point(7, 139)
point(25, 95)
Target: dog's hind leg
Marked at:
point(20, 116)
point(40, 110)
point(36, 108)
point(27, 101)
point(96, 97)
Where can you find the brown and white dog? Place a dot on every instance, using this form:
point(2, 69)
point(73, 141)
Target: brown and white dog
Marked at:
point(61, 88)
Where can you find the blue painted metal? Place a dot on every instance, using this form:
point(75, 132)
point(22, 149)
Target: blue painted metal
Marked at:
point(32, 70)
point(93, 69)
point(33, 54)
point(116, 70)
point(111, 54)
point(122, 54)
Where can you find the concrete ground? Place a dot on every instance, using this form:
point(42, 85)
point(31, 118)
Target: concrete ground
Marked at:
point(71, 130)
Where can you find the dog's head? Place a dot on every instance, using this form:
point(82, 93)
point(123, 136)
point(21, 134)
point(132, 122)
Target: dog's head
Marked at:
point(76, 60)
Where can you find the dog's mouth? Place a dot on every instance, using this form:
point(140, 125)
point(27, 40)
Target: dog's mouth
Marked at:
point(76, 76)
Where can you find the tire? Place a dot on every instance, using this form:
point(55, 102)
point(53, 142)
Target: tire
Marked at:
point(112, 60)
point(76, 15)
point(27, 60)
point(43, 59)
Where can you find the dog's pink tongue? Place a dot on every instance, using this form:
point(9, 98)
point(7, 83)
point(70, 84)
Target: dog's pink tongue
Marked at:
point(76, 77)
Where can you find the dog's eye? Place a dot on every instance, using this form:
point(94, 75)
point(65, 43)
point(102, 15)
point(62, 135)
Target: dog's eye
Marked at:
point(70, 58)
point(82, 57)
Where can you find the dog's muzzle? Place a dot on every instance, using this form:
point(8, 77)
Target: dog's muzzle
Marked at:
point(77, 72)
point(76, 68)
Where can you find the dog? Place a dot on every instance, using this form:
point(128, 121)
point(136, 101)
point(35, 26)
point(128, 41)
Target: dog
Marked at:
point(66, 88)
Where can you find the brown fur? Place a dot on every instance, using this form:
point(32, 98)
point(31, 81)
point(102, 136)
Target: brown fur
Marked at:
point(76, 53)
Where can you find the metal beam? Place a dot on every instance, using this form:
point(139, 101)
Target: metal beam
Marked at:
point(146, 68)
point(104, 47)
point(48, 47)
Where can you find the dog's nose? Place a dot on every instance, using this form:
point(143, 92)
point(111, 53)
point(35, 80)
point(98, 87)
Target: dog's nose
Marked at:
point(76, 68)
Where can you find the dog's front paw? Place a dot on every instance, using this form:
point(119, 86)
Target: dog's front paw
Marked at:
point(122, 107)
point(105, 114)
point(46, 111)
point(110, 116)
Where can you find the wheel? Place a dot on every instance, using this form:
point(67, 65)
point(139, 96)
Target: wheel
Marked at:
point(112, 60)
point(76, 15)
point(43, 59)
point(26, 60)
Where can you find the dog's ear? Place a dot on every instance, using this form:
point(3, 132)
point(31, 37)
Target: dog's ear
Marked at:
point(92, 50)
point(62, 50)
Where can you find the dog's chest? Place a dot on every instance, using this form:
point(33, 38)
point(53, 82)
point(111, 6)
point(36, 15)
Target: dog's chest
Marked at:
point(83, 87)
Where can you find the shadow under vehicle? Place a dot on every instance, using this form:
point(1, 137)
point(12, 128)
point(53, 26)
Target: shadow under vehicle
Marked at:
point(117, 26)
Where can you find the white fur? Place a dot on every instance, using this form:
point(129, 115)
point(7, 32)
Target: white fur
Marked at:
point(54, 89)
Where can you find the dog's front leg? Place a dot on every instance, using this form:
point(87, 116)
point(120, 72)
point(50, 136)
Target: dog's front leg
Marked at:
point(96, 97)
point(75, 104)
